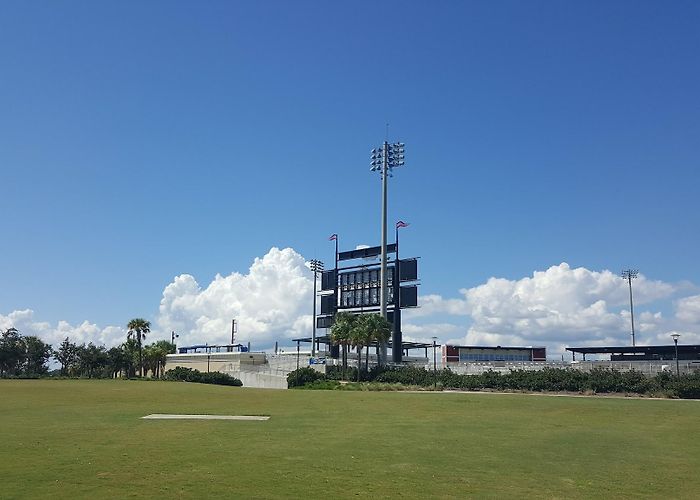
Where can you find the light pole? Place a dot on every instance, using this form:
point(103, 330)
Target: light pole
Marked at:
point(384, 159)
point(434, 365)
point(297, 372)
point(675, 341)
point(173, 336)
point(629, 275)
point(317, 267)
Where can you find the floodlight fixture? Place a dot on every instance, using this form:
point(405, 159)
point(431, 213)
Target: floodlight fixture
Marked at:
point(630, 274)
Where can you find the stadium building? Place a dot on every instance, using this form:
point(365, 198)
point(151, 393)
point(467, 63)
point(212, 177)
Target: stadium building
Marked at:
point(459, 354)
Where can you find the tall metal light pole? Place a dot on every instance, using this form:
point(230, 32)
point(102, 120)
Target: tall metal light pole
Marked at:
point(675, 341)
point(384, 159)
point(434, 364)
point(317, 267)
point(629, 275)
point(173, 336)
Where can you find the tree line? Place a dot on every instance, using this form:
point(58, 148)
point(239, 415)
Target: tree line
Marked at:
point(29, 356)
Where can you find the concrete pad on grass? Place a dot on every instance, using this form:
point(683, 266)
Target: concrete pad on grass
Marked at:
point(162, 416)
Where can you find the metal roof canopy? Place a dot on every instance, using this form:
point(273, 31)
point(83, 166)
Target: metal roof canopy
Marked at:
point(644, 349)
point(210, 348)
point(496, 347)
point(325, 339)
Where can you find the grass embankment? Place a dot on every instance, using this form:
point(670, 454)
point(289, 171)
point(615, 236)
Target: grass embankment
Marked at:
point(82, 438)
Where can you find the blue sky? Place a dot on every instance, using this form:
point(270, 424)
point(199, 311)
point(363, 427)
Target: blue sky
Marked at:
point(140, 141)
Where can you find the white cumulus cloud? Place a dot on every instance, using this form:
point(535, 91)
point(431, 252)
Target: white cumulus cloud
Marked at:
point(272, 301)
point(557, 307)
point(561, 306)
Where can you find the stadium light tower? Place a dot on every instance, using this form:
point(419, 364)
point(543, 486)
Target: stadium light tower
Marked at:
point(384, 160)
point(629, 275)
point(317, 267)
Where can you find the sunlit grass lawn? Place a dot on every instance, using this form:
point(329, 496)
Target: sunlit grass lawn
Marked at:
point(68, 439)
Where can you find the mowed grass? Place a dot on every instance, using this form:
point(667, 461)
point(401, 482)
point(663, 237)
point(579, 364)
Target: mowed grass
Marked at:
point(79, 439)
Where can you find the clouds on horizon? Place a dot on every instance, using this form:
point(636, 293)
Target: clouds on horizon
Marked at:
point(271, 302)
point(85, 332)
point(563, 306)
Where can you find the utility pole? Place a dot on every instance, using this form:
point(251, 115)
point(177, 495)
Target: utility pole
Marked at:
point(629, 275)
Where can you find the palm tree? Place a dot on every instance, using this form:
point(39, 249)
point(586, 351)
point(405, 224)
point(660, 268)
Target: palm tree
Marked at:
point(358, 338)
point(138, 328)
point(150, 360)
point(162, 348)
point(378, 330)
point(341, 333)
point(131, 356)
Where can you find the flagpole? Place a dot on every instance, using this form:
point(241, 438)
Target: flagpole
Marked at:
point(397, 241)
point(396, 340)
point(336, 288)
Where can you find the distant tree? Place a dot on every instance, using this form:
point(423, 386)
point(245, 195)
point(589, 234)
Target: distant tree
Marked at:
point(118, 361)
point(154, 357)
point(150, 360)
point(138, 328)
point(131, 356)
point(12, 352)
point(66, 355)
point(92, 359)
point(36, 356)
point(162, 349)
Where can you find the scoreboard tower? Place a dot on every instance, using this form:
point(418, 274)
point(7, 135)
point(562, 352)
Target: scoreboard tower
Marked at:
point(356, 288)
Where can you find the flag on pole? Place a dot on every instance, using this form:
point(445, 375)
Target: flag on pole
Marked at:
point(334, 237)
point(402, 224)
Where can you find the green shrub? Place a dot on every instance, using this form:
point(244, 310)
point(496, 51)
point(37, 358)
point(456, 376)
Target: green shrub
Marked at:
point(219, 378)
point(324, 385)
point(303, 376)
point(687, 387)
point(183, 374)
point(190, 375)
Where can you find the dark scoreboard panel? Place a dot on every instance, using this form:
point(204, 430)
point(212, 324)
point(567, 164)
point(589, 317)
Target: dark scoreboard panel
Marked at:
point(360, 287)
point(368, 276)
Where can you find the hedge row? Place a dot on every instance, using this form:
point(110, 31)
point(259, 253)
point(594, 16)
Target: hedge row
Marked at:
point(190, 375)
point(548, 379)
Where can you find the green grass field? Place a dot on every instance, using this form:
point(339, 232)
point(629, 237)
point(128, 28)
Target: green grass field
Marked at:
point(68, 439)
